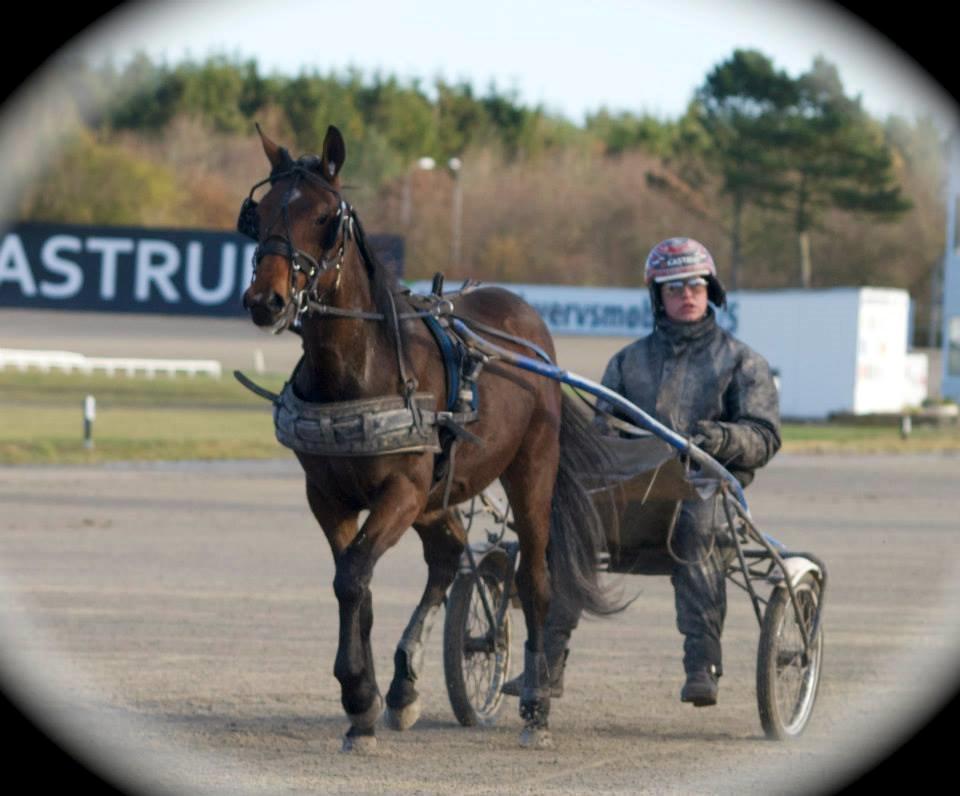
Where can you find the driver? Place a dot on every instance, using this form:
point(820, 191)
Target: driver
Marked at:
point(696, 378)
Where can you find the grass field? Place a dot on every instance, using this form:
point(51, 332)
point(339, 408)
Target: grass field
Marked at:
point(41, 420)
point(68, 389)
point(166, 418)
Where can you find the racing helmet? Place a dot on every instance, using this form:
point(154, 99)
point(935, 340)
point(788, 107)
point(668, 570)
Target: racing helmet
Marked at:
point(681, 258)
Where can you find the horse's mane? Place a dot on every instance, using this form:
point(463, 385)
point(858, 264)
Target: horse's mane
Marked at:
point(383, 283)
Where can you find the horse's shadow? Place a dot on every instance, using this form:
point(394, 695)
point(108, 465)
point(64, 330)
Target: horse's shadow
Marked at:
point(318, 727)
point(639, 732)
point(290, 725)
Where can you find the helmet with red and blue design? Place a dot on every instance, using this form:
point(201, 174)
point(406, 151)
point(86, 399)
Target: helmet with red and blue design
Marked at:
point(681, 258)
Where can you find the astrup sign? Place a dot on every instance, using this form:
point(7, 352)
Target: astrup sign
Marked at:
point(127, 269)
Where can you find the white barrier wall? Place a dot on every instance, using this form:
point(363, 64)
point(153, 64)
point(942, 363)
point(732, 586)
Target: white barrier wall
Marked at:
point(882, 342)
point(839, 350)
point(811, 340)
point(69, 361)
point(836, 350)
point(950, 378)
point(918, 379)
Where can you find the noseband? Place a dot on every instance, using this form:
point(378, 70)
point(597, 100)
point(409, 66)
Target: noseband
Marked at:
point(248, 223)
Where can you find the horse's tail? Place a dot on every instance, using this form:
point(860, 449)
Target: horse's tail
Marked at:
point(577, 534)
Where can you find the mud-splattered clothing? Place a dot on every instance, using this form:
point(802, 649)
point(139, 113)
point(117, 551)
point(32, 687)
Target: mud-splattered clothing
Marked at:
point(703, 383)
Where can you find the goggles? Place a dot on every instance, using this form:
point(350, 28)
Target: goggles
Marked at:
point(675, 287)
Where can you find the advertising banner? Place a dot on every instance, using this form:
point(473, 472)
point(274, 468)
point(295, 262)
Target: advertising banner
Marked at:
point(120, 269)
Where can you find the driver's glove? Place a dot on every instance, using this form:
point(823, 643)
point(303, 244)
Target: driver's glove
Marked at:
point(710, 436)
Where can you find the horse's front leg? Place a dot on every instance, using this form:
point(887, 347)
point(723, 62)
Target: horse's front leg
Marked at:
point(443, 539)
point(398, 504)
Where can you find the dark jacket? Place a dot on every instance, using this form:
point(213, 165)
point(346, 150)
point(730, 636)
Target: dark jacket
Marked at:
point(705, 384)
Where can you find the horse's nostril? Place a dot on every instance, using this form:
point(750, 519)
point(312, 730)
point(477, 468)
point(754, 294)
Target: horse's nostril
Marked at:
point(275, 302)
point(260, 315)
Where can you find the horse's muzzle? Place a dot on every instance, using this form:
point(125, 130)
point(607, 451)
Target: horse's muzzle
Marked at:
point(266, 309)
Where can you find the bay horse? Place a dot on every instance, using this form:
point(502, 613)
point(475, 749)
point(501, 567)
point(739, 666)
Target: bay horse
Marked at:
point(313, 265)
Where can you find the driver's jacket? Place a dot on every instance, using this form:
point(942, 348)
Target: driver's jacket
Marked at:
point(684, 373)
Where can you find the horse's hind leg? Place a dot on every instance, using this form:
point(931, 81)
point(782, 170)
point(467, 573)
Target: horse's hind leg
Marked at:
point(443, 539)
point(529, 483)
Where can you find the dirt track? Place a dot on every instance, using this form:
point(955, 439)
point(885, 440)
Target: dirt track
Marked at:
point(177, 623)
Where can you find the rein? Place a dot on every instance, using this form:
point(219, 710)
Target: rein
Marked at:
point(442, 308)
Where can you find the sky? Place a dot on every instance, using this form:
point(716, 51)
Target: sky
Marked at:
point(570, 57)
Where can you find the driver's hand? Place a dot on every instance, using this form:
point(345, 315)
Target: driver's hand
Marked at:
point(710, 436)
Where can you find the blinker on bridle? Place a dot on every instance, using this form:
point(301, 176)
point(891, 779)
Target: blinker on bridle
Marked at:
point(248, 224)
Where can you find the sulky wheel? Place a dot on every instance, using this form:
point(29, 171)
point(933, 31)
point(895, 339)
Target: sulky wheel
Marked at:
point(787, 680)
point(476, 658)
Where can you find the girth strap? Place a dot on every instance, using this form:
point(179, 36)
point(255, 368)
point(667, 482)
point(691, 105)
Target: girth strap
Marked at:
point(452, 354)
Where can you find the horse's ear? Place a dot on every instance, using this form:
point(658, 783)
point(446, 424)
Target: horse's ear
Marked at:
point(273, 152)
point(334, 153)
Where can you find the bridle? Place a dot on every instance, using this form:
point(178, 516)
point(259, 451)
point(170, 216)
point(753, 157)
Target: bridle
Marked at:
point(308, 297)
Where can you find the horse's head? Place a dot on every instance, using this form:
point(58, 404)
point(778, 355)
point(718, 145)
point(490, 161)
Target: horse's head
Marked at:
point(301, 225)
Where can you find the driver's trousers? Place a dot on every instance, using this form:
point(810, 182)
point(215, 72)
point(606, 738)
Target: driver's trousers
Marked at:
point(699, 586)
point(704, 548)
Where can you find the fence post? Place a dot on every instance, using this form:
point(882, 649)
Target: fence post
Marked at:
point(89, 415)
point(906, 426)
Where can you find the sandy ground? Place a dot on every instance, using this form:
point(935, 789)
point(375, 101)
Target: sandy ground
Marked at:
point(174, 626)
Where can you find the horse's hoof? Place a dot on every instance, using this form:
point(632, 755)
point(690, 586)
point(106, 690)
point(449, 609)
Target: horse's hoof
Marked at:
point(536, 738)
point(359, 744)
point(368, 718)
point(403, 718)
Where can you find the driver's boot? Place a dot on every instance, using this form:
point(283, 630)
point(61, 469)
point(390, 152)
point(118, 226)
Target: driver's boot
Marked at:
point(701, 687)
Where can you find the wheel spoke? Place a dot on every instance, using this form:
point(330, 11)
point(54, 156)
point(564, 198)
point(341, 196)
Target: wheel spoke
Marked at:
point(484, 657)
point(788, 671)
point(793, 678)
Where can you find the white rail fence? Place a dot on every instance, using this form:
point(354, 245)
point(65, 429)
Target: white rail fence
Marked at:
point(68, 362)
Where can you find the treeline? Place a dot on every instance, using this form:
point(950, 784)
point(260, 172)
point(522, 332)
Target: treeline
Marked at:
point(787, 179)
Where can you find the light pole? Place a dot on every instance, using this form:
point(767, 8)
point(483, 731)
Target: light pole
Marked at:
point(455, 164)
point(406, 210)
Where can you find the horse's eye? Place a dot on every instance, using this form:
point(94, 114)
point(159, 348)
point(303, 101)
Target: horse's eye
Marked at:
point(322, 219)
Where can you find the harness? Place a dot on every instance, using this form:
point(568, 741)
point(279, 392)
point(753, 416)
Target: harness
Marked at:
point(455, 365)
point(388, 424)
